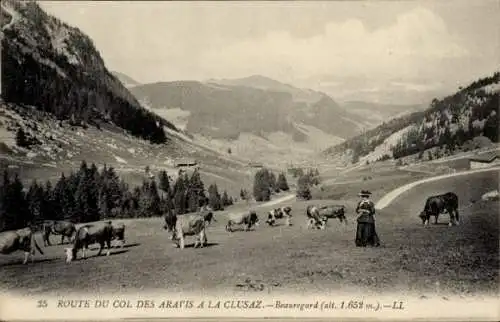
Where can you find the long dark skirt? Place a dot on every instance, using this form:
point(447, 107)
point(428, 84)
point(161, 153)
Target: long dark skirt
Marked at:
point(366, 235)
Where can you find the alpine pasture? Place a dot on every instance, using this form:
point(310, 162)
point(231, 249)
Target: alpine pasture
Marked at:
point(460, 260)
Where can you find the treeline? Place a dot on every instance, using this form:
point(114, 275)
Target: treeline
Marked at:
point(266, 183)
point(73, 84)
point(90, 194)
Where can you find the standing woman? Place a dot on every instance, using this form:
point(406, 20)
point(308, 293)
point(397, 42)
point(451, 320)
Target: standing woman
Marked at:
point(366, 233)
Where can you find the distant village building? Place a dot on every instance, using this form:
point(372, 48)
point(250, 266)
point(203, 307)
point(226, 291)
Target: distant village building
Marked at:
point(485, 160)
point(255, 165)
point(185, 163)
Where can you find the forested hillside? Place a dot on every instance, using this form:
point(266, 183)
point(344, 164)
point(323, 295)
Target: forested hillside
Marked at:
point(447, 124)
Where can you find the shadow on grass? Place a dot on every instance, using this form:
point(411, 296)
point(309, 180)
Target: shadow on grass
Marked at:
point(281, 225)
point(20, 262)
point(103, 254)
point(131, 245)
point(115, 246)
point(233, 230)
point(192, 245)
point(437, 225)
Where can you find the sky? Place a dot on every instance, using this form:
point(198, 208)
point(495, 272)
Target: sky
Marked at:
point(384, 51)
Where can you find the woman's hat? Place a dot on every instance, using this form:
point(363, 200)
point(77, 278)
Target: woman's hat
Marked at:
point(364, 193)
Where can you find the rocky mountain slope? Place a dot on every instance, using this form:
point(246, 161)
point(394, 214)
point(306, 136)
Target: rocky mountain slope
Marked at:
point(449, 124)
point(61, 105)
point(55, 67)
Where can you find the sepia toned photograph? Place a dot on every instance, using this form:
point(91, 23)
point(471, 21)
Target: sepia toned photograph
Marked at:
point(249, 159)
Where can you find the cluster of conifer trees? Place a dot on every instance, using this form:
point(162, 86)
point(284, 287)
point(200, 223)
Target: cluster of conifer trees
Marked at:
point(90, 194)
point(305, 182)
point(265, 183)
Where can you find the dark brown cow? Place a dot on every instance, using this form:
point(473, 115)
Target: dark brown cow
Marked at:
point(278, 213)
point(333, 211)
point(99, 233)
point(208, 214)
point(57, 227)
point(438, 204)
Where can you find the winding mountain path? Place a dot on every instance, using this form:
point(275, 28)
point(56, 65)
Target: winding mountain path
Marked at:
point(391, 196)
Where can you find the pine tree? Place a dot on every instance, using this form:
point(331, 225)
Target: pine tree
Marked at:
point(282, 183)
point(16, 205)
point(491, 127)
point(272, 182)
point(164, 182)
point(303, 188)
point(179, 192)
point(48, 203)
point(214, 198)
point(22, 138)
point(196, 194)
point(4, 184)
point(225, 199)
point(154, 197)
point(261, 186)
point(64, 200)
point(34, 200)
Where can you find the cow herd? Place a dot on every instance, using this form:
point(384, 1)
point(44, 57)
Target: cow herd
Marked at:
point(181, 226)
point(88, 234)
point(196, 224)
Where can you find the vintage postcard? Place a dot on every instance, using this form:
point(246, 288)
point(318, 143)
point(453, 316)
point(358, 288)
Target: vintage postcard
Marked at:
point(249, 160)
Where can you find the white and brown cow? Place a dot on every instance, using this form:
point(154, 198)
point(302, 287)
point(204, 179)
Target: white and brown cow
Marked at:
point(249, 219)
point(314, 220)
point(187, 225)
point(99, 233)
point(278, 213)
point(21, 239)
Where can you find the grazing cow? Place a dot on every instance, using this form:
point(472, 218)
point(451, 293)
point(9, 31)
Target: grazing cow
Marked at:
point(314, 219)
point(187, 225)
point(99, 233)
point(119, 233)
point(58, 227)
point(248, 218)
point(278, 213)
point(207, 213)
point(438, 204)
point(333, 211)
point(21, 239)
point(272, 215)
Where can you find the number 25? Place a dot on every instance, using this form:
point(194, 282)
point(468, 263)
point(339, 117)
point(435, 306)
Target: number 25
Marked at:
point(42, 303)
